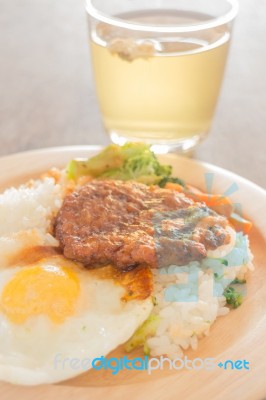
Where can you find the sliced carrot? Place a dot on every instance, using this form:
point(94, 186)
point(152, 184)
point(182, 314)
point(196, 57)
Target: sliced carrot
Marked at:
point(217, 202)
point(174, 186)
point(194, 190)
point(239, 223)
point(210, 199)
point(223, 209)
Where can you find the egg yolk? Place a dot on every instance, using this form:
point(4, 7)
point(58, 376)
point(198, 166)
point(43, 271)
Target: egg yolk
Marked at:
point(40, 290)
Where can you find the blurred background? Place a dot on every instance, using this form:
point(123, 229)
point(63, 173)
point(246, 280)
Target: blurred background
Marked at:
point(47, 96)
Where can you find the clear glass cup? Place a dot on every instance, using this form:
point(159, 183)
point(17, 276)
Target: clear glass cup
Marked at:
point(158, 67)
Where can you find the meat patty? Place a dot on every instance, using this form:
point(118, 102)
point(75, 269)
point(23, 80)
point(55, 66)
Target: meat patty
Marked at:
point(128, 224)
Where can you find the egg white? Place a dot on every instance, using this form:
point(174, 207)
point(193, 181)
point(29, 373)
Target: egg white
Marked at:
point(39, 351)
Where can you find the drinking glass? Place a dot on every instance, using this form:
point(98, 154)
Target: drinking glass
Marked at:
point(158, 67)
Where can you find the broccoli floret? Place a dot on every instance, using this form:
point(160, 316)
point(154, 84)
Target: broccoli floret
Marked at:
point(133, 161)
point(233, 298)
point(147, 329)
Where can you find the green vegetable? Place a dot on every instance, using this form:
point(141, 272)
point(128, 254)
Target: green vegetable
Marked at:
point(109, 158)
point(217, 276)
point(224, 262)
point(239, 281)
point(133, 161)
point(171, 179)
point(233, 298)
point(154, 301)
point(147, 329)
point(146, 349)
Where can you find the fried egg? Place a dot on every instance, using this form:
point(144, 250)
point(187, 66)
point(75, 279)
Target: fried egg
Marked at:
point(55, 310)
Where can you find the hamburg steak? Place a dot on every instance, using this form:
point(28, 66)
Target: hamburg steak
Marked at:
point(128, 223)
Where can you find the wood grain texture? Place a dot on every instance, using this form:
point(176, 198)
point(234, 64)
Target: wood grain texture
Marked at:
point(47, 96)
point(239, 335)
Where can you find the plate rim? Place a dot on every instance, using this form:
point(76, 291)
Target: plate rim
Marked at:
point(193, 162)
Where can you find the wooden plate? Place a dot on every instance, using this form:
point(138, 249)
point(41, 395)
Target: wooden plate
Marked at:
point(237, 336)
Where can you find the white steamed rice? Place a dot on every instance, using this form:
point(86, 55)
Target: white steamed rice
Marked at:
point(194, 306)
point(25, 217)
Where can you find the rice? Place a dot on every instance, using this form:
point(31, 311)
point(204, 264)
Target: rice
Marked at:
point(190, 298)
point(26, 215)
point(29, 206)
